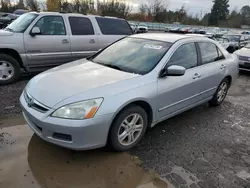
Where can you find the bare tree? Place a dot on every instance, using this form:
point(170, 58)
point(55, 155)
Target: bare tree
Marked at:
point(113, 8)
point(32, 5)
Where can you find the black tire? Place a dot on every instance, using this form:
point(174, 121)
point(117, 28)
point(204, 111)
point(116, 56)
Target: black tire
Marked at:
point(15, 64)
point(215, 101)
point(113, 136)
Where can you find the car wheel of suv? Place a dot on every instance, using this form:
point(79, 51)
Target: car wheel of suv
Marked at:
point(128, 128)
point(9, 69)
point(221, 93)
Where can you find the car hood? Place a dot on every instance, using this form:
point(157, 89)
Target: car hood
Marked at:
point(5, 33)
point(71, 79)
point(243, 52)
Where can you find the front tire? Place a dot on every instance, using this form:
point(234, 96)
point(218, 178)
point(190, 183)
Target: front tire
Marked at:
point(220, 93)
point(9, 69)
point(128, 128)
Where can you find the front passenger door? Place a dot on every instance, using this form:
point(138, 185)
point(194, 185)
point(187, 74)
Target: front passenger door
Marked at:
point(177, 93)
point(52, 46)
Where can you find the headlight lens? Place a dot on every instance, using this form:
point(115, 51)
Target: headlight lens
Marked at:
point(80, 110)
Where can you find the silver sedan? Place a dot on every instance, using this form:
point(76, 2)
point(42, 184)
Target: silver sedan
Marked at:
point(115, 95)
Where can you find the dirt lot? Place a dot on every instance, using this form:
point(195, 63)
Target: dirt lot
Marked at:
point(204, 147)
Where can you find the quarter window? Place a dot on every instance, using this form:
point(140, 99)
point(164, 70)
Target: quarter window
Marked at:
point(185, 56)
point(81, 26)
point(112, 26)
point(51, 25)
point(210, 53)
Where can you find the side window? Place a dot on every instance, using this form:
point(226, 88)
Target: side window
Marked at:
point(112, 26)
point(81, 26)
point(185, 56)
point(209, 52)
point(51, 25)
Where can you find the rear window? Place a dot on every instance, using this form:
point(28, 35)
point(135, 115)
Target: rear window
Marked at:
point(111, 26)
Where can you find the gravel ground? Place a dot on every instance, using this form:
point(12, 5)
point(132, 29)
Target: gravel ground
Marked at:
point(9, 97)
point(203, 147)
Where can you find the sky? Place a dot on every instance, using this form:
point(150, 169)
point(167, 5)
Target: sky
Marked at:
point(195, 6)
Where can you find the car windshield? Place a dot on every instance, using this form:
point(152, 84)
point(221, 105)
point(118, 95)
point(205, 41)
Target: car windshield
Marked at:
point(21, 23)
point(232, 38)
point(143, 25)
point(133, 55)
point(247, 46)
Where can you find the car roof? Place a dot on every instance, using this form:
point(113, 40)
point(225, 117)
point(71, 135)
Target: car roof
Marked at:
point(74, 14)
point(166, 37)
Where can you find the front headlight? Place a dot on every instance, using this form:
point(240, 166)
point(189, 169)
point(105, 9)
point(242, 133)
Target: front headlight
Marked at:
point(79, 110)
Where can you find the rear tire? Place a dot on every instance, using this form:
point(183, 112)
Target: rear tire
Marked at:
point(9, 69)
point(126, 133)
point(220, 93)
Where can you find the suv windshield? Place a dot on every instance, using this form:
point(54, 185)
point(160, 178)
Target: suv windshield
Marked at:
point(133, 55)
point(232, 38)
point(21, 23)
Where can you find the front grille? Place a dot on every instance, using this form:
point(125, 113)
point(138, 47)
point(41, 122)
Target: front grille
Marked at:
point(32, 103)
point(244, 58)
point(142, 29)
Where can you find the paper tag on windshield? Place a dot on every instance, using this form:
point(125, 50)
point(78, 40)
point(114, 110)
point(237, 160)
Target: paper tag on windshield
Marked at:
point(153, 46)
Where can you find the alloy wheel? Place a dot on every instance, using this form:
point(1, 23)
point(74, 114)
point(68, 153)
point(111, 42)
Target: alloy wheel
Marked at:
point(222, 91)
point(130, 129)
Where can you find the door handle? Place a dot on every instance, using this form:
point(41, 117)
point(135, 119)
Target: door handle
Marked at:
point(65, 41)
point(92, 41)
point(222, 66)
point(196, 75)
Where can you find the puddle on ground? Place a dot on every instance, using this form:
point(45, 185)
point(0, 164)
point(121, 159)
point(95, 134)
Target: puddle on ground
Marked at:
point(11, 121)
point(27, 161)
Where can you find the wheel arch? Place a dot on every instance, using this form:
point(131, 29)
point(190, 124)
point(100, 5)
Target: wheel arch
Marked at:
point(140, 102)
point(13, 53)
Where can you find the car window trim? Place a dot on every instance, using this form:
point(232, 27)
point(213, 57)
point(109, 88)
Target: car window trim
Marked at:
point(51, 16)
point(83, 18)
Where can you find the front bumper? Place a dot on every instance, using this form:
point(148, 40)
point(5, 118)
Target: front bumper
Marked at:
point(72, 134)
point(244, 65)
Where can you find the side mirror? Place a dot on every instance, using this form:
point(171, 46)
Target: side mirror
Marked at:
point(173, 70)
point(35, 31)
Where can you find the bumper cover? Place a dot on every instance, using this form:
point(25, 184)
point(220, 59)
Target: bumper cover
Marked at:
point(84, 134)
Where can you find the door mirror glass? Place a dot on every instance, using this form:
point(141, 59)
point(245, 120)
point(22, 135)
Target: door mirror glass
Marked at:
point(175, 70)
point(35, 31)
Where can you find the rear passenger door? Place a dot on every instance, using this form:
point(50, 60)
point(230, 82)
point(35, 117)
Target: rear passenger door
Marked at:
point(111, 30)
point(83, 38)
point(212, 68)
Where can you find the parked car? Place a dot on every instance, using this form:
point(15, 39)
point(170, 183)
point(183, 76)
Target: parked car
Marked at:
point(175, 30)
point(244, 57)
point(133, 27)
point(246, 32)
point(236, 41)
point(142, 28)
point(224, 42)
point(20, 11)
point(6, 19)
point(115, 95)
point(38, 41)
